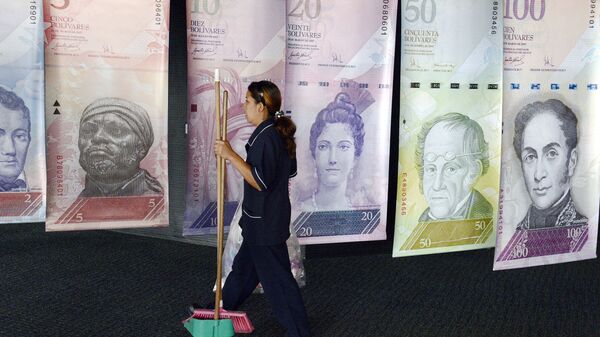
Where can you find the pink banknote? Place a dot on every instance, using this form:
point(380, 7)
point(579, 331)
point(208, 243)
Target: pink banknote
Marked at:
point(550, 160)
point(106, 113)
point(339, 65)
point(245, 41)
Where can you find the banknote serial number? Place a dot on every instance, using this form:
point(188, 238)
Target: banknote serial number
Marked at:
point(404, 194)
point(592, 20)
point(196, 180)
point(500, 212)
point(158, 12)
point(385, 17)
point(33, 12)
point(60, 189)
point(495, 7)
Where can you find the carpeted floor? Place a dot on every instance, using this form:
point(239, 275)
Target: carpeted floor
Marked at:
point(112, 284)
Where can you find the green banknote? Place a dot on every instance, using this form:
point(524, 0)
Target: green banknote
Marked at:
point(450, 126)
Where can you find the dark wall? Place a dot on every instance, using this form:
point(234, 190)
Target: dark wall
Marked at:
point(177, 144)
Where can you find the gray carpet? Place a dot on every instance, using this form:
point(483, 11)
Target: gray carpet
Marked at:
point(112, 284)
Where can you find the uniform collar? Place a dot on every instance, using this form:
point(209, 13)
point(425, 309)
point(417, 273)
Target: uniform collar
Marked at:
point(259, 129)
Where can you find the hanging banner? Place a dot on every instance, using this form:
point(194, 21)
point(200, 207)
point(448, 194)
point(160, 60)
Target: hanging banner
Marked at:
point(450, 126)
point(106, 113)
point(22, 138)
point(550, 160)
point(339, 69)
point(245, 40)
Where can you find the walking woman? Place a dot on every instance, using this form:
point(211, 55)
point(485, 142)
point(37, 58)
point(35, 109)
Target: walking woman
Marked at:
point(263, 256)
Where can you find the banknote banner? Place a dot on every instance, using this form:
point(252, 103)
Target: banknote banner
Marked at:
point(106, 113)
point(22, 134)
point(450, 126)
point(246, 42)
point(549, 194)
point(339, 67)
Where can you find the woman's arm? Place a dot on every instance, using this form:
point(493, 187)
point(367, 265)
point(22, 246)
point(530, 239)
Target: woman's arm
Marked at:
point(224, 150)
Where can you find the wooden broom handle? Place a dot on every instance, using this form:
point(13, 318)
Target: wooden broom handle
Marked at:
point(219, 203)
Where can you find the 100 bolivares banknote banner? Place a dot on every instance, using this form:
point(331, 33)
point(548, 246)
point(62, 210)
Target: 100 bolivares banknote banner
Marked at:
point(22, 136)
point(245, 41)
point(106, 113)
point(450, 126)
point(339, 67)
point(550, 160)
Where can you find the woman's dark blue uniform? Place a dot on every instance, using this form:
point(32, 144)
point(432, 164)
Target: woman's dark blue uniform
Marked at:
point(263, 256)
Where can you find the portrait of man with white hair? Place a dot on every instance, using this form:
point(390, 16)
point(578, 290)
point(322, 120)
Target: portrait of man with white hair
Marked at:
point(451, 156)
point(114, 136)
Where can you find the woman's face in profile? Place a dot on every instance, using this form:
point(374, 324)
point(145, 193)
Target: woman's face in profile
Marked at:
point(334, 154)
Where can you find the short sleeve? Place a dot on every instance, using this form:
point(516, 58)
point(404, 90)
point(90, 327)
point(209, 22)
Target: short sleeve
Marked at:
point(264, 167)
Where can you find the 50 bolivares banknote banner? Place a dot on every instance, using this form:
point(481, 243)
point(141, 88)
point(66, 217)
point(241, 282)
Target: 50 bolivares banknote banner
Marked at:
point(550, 160)
point(22, 145)
point(339, 67)
point(450, 126)
point(245, 41)
point(106, 113)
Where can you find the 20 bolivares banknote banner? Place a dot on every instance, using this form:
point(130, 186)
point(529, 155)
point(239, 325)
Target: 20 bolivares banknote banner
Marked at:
point(106, 113)
point(550, 161)
point(22, 145)
point(450, 126)
point(339, 67)
point(245, 41)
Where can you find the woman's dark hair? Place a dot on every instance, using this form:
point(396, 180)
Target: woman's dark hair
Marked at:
point(268, 93)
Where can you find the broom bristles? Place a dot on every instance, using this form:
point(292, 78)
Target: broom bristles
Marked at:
point(240, 320)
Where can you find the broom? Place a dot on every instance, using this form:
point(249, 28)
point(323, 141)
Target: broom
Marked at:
point(240, 320)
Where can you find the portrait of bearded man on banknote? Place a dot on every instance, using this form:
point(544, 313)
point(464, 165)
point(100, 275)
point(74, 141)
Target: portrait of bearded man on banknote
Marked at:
point(545, 142)
point(451, 155)
point(114, 136)
point(15, 128)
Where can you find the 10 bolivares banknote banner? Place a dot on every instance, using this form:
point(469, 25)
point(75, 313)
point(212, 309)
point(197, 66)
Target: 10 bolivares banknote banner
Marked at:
point(450, 126)
point(339, 67)
point(106, 113)
point(246, 42)
point(551, 160)
point(22, 136)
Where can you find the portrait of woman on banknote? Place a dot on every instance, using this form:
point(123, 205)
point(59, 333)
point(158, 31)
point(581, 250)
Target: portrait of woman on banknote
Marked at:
point(336, 143)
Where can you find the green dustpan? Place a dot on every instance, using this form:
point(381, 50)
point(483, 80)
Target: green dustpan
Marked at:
point(210, 327)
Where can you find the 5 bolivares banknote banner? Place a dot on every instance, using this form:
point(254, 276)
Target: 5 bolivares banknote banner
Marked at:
point(106, 113)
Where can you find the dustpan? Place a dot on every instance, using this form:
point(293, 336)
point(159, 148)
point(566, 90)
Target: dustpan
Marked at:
point(210, 327)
